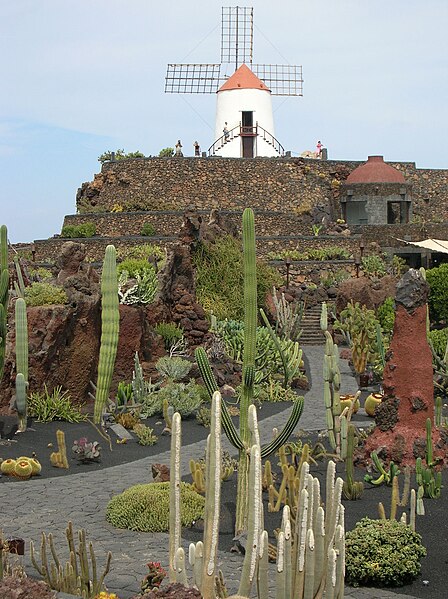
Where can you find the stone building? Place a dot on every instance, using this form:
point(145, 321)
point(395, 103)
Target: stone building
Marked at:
point(376, 193)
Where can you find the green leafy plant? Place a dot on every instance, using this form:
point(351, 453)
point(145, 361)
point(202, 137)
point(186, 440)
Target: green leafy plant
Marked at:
point(148, 230)
point(320, 254)
point(333, 279)
point(382, 553)
point(438, 293)
point(47, 406)
point(203, 416)
point(173, 369)
point(219, 278)
point(185, 398)
point(143, 251)
point(40, 274)
point(386, 315)
point(134, 508)
point(118, 155)
point(439, 340)
point(83, 230)
point(145, 435)
point(166, 153)
point(134, 267)
point(374, 266)
point(170, 331)
point(86, 452)
point(142, 292)
point(44, 294)
point(316, 229)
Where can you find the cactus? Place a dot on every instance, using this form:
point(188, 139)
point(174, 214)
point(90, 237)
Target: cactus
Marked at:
point(20, 287)
point(21, 402)
point(59, 458)
point(21, 338)
point(4, 294)
point(110, 321)
point(175, 527)
point(241, 440)
point(428, 479)
point(212, 500)
point(351, 489)
point(73, 577)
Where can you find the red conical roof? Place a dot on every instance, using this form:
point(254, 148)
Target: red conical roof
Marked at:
point(375, 170)
point(243, 78)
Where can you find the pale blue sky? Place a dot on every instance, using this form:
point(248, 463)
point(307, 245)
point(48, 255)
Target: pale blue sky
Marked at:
point(80, 77)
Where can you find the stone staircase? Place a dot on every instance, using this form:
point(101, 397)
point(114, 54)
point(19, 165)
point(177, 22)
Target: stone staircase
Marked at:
point(311, 331)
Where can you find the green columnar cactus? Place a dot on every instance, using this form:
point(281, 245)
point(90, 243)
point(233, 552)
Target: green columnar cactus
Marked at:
point(241, 440)
point(21, 338)
point(212, 500)
point(175, 480)
point(263, 567)
point(72, 577)
point(351, 488)
point(4, 293)
point(110, 322)
point(21, 402)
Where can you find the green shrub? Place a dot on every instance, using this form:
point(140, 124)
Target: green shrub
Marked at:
point(382, 553)
point(44, 294)
point(134, 266)
point(148, 230)
point(438, 293)
point(439, 339)
point(373, 266)
point(40, 274)
point(173, 368)
point(219, 278)
point(204, 416)
point(135, 508)
point(145, 435)
point(166, 153)
point(143, 251)
point(386, 315)
point(46, 407)
point(329, 253)
point(77, 231)
point(119, 155)
point(170, 332)
point(183, 398)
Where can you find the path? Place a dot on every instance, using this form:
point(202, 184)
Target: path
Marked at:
point(47, 504)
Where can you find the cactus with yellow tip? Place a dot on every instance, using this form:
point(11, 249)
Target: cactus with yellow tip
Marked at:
point(59, 458)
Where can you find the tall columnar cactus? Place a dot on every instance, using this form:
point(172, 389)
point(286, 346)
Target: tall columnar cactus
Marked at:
point(21, 402)
point(110, 322)
point(175, 480)
point(212, 500)
point(21, 338)
point(4, 293)
point(352, 489)
point(241, 439)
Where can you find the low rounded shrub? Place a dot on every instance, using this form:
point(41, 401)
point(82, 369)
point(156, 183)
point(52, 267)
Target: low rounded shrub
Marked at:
point(386, 315)
point(134, 266)
point(148, 230)
point(76, 231)
point(44, 294)
point(146, 508)
point(382, 553)
point(438, 292)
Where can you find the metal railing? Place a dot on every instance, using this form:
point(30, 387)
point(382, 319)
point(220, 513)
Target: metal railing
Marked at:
point(246, 131)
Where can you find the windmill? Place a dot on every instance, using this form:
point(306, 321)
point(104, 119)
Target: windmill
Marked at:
point(244, 119)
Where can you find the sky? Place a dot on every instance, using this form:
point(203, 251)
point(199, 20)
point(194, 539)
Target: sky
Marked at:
point(81, 77)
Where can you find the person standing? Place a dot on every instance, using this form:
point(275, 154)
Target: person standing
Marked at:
point(178, 148)
point(319, 147)
point(197, 148)
point(226, 132)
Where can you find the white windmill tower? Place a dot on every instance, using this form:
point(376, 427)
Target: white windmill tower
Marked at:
point(244, 126)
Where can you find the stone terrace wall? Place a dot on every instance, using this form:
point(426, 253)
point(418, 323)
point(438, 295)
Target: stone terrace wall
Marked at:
point(169, 222)
point(289, 185)
point(47, 250)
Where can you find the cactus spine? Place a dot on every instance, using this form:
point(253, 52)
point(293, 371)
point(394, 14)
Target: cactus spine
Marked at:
point(4, 293)
point(110, 321)
point(241, 440)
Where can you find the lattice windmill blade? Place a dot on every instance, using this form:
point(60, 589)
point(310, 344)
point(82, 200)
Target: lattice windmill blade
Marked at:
point(237, 34)
point(193, 78)
point(281, 79)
